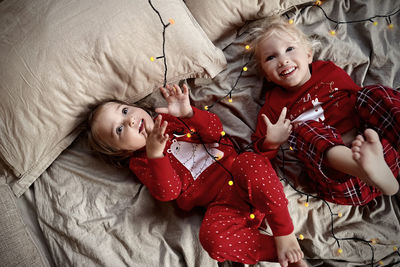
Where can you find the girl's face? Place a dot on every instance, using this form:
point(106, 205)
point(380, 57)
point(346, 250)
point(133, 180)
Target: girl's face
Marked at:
point(122, 127)
point(285, 61)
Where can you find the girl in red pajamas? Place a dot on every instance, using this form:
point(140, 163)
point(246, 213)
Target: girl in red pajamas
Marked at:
point(183, 155)
point(326, 109)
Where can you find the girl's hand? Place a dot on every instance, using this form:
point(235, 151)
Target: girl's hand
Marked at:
point(178, 101)
point(156, 139)
point(277, 133)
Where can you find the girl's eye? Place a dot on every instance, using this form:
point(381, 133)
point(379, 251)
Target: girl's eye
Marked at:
point(119, 129)
point(290, 48)
point(125, 111)
point(269, 58)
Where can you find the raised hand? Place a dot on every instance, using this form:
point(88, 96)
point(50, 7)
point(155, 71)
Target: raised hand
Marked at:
point(277, 133)
point(156, 139)
point(178, 101)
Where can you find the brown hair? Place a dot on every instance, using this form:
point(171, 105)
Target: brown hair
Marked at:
point(278, 24)
point(104, 151)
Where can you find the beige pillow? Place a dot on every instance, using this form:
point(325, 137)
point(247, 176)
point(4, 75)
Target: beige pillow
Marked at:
point(59, 56)
point(220, 19)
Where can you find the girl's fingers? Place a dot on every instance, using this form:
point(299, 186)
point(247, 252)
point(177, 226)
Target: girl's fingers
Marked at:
point(177, 89)
point(157, 123)
point(164, 92)
point(163, 128)
point(185, 89)
point(266, 120)
point(282, 116)
point(161, 110)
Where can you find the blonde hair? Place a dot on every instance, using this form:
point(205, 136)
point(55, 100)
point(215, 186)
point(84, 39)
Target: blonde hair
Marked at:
point(277, 24)
point(106, 152)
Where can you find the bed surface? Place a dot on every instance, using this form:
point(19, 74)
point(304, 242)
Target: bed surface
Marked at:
point(93, 214)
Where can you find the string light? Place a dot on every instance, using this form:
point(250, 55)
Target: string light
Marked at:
point(301, 237)
point(171, 22)
point(375, 23)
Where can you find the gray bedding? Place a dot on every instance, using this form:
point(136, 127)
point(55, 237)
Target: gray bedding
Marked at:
point(93, 214)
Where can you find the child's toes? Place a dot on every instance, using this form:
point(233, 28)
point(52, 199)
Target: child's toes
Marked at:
point(371, 135)
point(359, 138)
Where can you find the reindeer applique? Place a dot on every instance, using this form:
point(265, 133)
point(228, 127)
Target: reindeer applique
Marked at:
point(195, 157)
point(314, 114)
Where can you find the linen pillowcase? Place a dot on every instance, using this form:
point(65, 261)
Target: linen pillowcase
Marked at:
point(221, 19)
point(60, 56)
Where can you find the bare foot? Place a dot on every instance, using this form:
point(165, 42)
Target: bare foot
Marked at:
point(368, 153)
point(289, 251)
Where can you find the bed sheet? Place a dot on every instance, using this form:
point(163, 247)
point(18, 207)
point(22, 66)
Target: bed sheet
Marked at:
point(93, 214)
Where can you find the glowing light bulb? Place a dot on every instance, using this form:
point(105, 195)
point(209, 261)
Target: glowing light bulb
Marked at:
point(291, 148)
point(230, 100)
point(252, 216)
point(244, 68)
point(395, 248)
point(247, 47)
point(380, 263)
point(375, 23)
point(223, 133)
point(206, 107)
point(340, 214)
point(291, 21)
point(373, 241)
point(188, 135)
point(172, 21)
point(152, 58)
point(306, 204)
point(332, 32)
point(318, 2)
point(340, 251)
point(301, 237)
point(230, 182)
point(390, 26)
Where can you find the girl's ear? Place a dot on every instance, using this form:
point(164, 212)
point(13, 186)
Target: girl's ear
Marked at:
point(310, 56)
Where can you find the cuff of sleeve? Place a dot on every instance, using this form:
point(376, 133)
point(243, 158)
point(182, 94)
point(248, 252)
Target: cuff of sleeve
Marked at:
point(270, 154)
point(280, 222)
point(160, 166)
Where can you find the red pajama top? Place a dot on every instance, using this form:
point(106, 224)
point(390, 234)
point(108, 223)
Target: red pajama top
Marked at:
point(169, 179)
point(329, 96)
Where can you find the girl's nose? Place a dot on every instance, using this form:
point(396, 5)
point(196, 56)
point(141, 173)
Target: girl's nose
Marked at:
point(131, 121)
point(283, 61)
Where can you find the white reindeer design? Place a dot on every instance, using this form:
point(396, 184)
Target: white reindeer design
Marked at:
point(195, 157)
point(315, 114)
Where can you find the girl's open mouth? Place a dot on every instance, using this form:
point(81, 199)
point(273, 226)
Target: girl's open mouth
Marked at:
point(141, 125)
point(288, 71)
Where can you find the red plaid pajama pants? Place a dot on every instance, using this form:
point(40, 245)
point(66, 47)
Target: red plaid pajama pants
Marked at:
point(378, 108)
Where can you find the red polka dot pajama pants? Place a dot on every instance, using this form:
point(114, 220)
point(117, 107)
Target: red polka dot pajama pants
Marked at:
point(230, 229)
